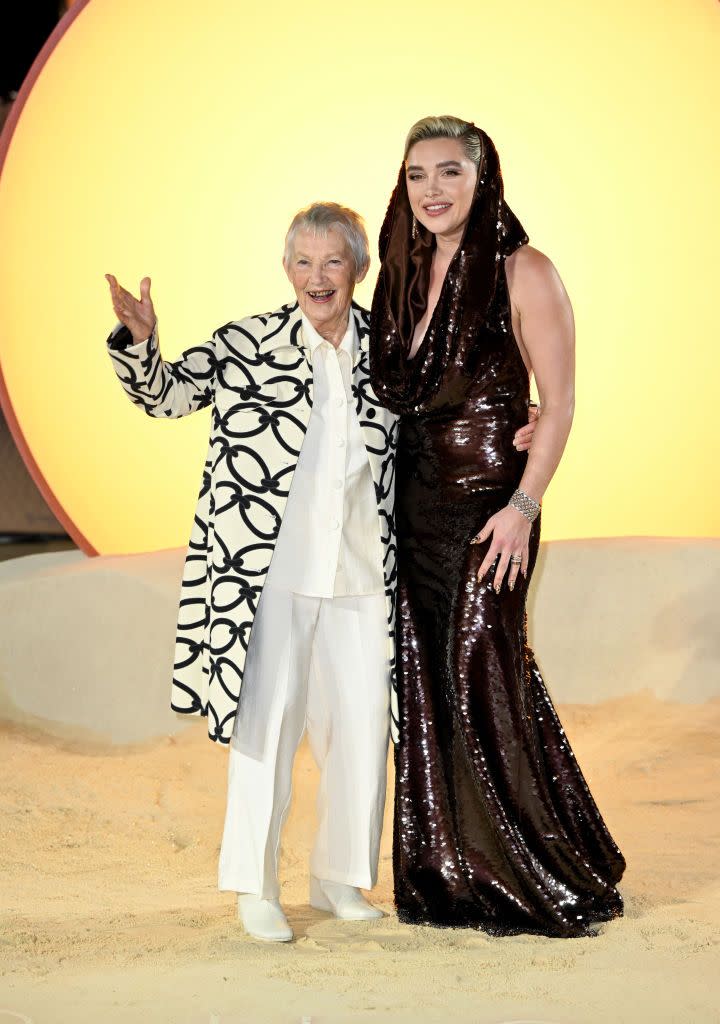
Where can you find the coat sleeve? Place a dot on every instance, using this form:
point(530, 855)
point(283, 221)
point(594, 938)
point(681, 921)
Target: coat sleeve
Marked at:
point(163, 389)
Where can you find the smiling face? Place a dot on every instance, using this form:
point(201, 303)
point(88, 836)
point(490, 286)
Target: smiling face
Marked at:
point(322, 272)
point(440, 181)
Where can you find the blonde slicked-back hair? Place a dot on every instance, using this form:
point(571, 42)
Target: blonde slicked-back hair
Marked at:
point(319, 218)
point(447, 127)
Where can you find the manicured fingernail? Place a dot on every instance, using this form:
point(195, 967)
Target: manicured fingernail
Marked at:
point(497, 588)
point(511, 585)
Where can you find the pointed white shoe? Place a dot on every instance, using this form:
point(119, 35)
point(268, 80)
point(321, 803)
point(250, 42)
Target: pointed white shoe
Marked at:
point(263, 919)
point(344, 901)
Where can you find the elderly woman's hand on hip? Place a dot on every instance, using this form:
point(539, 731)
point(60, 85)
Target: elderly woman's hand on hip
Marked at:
point(523, 437)
point(138, 315)
point(510, 531)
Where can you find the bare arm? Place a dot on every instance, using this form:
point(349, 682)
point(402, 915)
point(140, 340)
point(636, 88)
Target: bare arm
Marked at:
point(548, 336)
point(547, 341)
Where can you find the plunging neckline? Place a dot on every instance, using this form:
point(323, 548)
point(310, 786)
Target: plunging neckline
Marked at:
point(411, 359)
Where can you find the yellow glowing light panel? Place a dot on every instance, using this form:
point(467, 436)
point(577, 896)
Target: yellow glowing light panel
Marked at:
point(177, 140)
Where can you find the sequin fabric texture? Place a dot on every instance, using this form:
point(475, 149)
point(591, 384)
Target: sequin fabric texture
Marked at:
point(495, 826)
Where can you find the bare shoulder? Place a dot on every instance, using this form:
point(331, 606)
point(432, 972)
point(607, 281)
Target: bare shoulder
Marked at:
point(532, 275)
point(528, 260)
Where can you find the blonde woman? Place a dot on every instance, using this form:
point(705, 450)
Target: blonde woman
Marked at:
point(495, 826)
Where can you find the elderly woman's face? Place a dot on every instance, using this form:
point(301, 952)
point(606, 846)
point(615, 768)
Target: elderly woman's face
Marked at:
point(322, 272)
point(441, 183)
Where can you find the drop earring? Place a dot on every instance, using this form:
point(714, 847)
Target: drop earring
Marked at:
point(414, 228)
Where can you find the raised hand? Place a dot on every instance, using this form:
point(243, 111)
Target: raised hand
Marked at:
point(138, 315)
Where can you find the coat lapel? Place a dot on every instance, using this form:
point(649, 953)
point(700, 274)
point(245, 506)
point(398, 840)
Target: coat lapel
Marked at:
point(282, 338)
point(362, 326)
point(282, 329)
point(373, 417)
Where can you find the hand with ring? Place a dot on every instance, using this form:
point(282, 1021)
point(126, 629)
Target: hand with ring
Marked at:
point(510, 532)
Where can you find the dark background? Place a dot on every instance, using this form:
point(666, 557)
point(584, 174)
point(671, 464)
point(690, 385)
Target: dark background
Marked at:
point(26, 523)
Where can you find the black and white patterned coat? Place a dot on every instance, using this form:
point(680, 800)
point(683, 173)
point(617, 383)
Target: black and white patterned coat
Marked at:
point(257, 376)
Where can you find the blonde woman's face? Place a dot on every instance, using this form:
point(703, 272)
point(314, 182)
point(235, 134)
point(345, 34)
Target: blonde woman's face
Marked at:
point(441, 183)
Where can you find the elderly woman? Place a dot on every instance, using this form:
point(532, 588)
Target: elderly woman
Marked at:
point(495, 826)
point(289, 580)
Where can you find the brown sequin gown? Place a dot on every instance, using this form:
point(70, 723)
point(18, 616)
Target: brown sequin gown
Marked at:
point(495, 826)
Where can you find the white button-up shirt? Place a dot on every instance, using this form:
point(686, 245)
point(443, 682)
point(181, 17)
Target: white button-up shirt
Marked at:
point(329, 541)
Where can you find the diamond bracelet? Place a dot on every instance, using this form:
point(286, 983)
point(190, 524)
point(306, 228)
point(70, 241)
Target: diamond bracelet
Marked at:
point(525, 504)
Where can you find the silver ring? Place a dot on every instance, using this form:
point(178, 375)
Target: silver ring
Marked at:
point(515, 559)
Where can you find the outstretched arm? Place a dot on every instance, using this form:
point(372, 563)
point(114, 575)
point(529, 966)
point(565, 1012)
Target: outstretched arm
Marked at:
point(162, 389)
point(548, 338)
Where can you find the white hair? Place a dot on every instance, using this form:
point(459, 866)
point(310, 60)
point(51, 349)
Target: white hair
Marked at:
point(319, 218)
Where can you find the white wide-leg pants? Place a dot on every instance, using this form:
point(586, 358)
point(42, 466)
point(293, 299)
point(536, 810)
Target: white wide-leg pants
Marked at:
point(321, 665)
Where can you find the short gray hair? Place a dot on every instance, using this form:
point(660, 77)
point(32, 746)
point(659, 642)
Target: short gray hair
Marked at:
point(319, 218)
point(447, 127)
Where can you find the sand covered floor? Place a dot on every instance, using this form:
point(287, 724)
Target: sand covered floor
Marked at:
point(110, 909)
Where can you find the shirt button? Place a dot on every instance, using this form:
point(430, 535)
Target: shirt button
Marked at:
point(334, 524)
point(341, 442)
point(338, 484)
point(339, 402)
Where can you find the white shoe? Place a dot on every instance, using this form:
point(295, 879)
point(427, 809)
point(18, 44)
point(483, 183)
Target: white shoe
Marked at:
point(263, 919)
point(344, 901)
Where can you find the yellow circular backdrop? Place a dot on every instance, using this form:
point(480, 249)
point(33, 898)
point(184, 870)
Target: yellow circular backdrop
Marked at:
point(177, 140)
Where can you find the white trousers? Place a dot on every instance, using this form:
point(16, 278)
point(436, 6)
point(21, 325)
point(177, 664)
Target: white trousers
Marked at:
point(317, 664)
